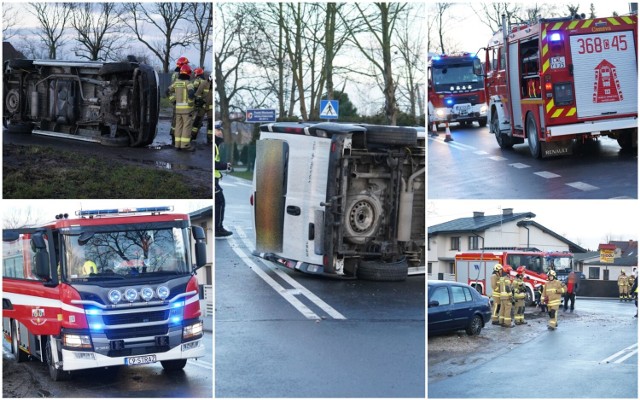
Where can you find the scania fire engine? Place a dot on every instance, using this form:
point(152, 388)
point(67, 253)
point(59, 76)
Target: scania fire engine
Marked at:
point(106, 288)
point(456, 89)
point(563, 79)
point(475, 268)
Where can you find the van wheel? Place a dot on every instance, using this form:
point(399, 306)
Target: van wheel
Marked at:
point(532, 135)
point(379, 270)
point(391, 135)
point(173, 365)
point(54, 373)
point(20, 355)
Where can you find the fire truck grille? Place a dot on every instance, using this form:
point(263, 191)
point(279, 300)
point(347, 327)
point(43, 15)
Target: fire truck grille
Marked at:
point(141, 331)
point(122, 319)
point(466, 99)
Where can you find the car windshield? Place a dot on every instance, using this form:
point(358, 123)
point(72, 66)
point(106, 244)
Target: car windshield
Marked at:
point(125, 254)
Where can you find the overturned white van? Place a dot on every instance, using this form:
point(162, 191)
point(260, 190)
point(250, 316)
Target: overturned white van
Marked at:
point(344, 200)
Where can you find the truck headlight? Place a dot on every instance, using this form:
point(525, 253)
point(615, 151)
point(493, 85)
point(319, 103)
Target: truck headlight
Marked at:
point(192, 331)
point(77, 341)
point(441, 112)
point(483, 109)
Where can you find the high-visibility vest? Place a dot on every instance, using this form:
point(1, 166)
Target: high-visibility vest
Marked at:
point(217, 159)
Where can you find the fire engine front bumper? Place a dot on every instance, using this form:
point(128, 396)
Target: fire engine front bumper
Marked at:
point(595, 127)
point(75, 360)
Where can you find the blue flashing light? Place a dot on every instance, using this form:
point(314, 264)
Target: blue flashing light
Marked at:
point(92, 311)
point(97, 327)
point(177, 304)
point(555, 37)
point(85, 213)
point(176, 319)
point(436, 58)
point(449, 101)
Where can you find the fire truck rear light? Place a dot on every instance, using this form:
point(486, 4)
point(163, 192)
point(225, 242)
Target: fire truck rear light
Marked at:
point(555, 37)
point(192, 331)
point(77, 341)
point(548, 86)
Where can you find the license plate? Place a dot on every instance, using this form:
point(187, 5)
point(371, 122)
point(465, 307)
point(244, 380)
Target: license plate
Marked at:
point(462, 109)
point(140, 360)
point(557, 62)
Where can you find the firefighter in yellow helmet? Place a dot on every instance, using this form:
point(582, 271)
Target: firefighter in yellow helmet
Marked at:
point(506, 297)
point(495, 289)
point(551, 295)
point(89, 267)
point(184, 93)
point(623, 286)
point(519, 295)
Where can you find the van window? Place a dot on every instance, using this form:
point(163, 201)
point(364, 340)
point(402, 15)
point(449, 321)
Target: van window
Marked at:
point(441, 295)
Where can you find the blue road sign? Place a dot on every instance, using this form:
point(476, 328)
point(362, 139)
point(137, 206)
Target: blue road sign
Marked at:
point(329, 109)
point(260, 115)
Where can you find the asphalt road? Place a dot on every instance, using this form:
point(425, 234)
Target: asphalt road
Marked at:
point(473, 166)
point(279, 333)
point(31, 379)
point(592, 354)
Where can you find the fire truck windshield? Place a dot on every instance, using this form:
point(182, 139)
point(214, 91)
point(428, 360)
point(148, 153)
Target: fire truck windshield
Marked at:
point(454, 75)
point(127, 254)
point(558, 263)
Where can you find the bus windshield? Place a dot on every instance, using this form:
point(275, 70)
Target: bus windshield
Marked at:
point(125, 253)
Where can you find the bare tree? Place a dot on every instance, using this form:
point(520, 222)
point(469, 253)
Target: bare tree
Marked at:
point(165, 17)
point(9, 21)
point(202, 16)
point(53, 19)
point(97, 32)
point(592, 11)
point(441, 24)
point(381, 23)
point(490, 14)
point(410, 48)
point(14, 218)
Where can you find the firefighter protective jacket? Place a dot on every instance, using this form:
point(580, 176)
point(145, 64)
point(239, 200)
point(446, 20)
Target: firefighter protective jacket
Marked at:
point(553, 291)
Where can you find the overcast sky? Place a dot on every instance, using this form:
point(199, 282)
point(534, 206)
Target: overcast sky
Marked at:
point(584, 222)
point(469, 34)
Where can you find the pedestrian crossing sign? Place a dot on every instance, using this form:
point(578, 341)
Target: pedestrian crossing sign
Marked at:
point(329, 109)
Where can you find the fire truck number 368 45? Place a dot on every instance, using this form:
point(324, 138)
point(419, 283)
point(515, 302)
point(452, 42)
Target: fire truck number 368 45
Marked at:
point(597, 45)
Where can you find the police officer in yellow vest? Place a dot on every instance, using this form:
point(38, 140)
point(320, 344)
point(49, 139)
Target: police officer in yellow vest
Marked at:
point(183, 92)
point(220, 231)
point(174, 76)
point(551, 295)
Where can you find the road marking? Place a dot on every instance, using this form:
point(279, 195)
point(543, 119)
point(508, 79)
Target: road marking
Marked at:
point(201, 363)
point(497, 158)
point(630, 353)
point(547, 174)
point(582, 186)
point(288, 294)
point(519, 165)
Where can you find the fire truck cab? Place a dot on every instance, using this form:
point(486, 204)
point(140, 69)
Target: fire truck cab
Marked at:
point(563, 79)
point(107, 288)
point(456, 89)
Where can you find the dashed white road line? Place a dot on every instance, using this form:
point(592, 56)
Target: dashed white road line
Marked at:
point(519, 165)
point(582, 186)
point(288, 294)
point(620, 356)
point(547, 174)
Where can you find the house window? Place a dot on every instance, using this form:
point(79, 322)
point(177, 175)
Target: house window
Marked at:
point(473, 243)
point(455, 243)
point(605, 274)
point(452, 268)
point(429, 268)
point(594, 272)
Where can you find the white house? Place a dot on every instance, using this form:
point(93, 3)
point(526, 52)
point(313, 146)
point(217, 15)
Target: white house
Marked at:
point(506, 230)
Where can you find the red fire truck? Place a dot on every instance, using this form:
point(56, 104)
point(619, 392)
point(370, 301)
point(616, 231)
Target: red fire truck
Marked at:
point(456, 89)
point(475, 269)
point(564, 79)
point(107, 288)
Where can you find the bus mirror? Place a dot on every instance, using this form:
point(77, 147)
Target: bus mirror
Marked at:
point(85, 237)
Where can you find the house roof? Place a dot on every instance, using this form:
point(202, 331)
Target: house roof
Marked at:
point(480, 223)
point(201, 213)
point(628, 248)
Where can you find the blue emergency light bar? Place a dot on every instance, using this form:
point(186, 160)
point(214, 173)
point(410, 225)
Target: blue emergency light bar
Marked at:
point(86, 213)
point(555, 37)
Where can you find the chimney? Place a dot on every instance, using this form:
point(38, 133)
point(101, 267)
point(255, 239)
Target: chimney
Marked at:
point(478, 214)
point(507, 211)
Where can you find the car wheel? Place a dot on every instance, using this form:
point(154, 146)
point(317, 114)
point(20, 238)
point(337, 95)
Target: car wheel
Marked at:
point(475, 326)
point(391, 135)
point(532, 135)
point(379, 270)
point(503, 140)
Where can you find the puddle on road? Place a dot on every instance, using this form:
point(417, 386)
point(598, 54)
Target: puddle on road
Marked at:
point(167, 165)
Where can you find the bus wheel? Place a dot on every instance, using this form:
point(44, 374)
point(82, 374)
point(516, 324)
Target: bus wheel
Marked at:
point(54, 373)
point(20, 355)
point(532, 135)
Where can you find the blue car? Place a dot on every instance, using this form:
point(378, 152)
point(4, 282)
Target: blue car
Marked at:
point(454, 306)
